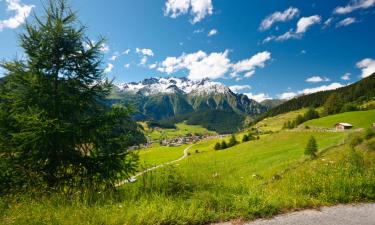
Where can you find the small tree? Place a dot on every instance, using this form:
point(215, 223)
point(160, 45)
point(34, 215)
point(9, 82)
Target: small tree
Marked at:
point(232, 141)
point(217, 146)
point(224, 145)
point(311, 147)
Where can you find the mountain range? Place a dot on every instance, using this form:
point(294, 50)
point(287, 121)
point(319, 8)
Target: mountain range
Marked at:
point(163, 98)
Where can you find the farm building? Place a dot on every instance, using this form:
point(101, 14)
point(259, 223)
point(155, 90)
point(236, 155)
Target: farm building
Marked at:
point(343, 126)
point(373, 126)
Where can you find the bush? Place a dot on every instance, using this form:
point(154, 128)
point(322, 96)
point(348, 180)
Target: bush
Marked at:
point(232, 141)
point(217, 146)
point(224, 145)
point(355, 140)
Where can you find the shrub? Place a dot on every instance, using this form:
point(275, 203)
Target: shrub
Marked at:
point(217, 146)
point(224, 145)
point(232, 141)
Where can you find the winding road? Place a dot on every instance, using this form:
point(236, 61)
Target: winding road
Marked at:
point(134, 178)
point(363, 214)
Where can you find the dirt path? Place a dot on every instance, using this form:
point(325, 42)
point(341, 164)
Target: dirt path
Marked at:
point(363, 214)
point(133, 178)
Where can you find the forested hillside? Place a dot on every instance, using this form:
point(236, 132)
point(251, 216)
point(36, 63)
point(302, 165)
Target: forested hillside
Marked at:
point(355, 93)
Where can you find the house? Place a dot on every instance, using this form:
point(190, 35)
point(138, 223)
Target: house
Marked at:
point(343, 126)
point(373, 126)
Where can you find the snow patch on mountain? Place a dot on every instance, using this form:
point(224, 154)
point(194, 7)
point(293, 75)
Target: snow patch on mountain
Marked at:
point(172, 85)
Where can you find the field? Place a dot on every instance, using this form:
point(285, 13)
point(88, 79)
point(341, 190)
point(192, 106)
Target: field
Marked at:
point(276, 123)
point(181, 130)
point(160, 154)
point(254, 179)
point(359, 119)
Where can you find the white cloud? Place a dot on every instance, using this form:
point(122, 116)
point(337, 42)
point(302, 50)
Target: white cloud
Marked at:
point(290, 95)
point(303, 25)
point(236, 88)
point(249, 65)
point(199, 9)
point(332, 86)
point(153, 66)
point(200, 64)
point(143, 60)
point(305, 22)
point(22, 11)
point(287, 95)
point(126, 52)
point(258, 97)
point(354, 5)
point(214, 65)
point(127, 65)
point(113, 57)
point(317, 79)
point(328, 22)
point(109, 68)
point(287, 15)
point(198, 31)
point(212, 32)
point(367, 66)
point(346, 22)
point(346, 76)
point(144, 51)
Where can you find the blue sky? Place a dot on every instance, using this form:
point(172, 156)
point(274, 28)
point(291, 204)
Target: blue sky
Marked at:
point(266, 49)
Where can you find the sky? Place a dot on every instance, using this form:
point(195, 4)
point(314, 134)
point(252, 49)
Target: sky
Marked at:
point(266, 49)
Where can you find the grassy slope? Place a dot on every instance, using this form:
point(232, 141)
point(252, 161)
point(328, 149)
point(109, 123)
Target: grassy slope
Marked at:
point(182, 130)
point(276, 123)
point(359, 119)
point(160, 154)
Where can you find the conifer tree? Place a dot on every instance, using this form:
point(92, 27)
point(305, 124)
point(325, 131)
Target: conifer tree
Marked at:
point(311, 147)
point(56, 128)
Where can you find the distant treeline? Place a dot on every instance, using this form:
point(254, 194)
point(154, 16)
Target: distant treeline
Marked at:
point(342, 99)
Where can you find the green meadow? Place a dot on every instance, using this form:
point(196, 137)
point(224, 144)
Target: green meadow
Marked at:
point(250, 180)
point(359, 119)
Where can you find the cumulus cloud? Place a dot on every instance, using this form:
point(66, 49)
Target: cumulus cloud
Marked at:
point(127, 65)
point(346, 76)
point(305, 22)
point(236, 88)
point(367, 66)
point(258, 97)
point(249, 65)
point(332, 86)
point(212, 32)
point(354, 5)
point(144, 51)
point(290, 95)
point(284, 16)
point(22, 11)
point(214, 65)
point(303, 25)
point(109, 68)
point(346, 22)
point(199, 9)
point(287, 95)
point(317, 79)
point(200, 64)
point(126, 52)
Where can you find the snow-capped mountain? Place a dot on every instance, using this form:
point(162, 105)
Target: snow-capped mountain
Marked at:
point(164, 98)
point(172, 85)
